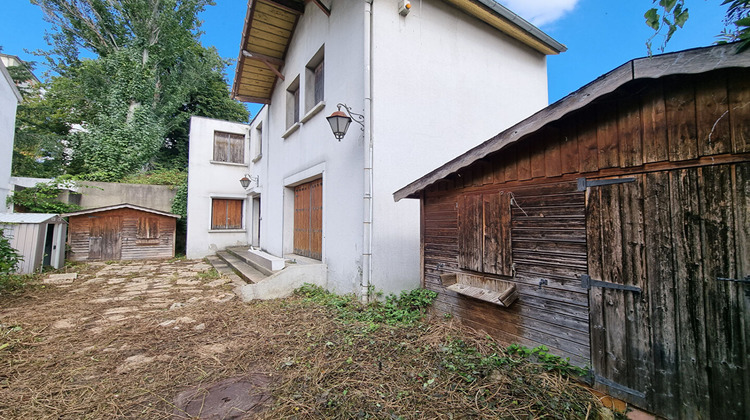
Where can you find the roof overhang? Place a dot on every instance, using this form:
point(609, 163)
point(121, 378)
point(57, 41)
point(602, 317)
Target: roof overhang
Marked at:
point(499, 17)
point(269, 26)
point(694, 61)
point(121, 206)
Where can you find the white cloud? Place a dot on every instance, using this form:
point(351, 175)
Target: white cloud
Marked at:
point(540, 12)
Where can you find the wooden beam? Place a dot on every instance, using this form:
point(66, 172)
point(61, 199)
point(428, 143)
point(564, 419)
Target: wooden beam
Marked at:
point(321, 6)
point(290, 6)
point(253, 99)
point(267, 60)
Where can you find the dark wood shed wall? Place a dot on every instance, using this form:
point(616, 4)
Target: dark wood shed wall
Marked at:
point(124, 221)
point(664, 129)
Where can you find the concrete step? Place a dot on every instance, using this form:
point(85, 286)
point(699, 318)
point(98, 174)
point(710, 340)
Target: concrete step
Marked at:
point(246, 271)
point(261, 261)
point(225, 270)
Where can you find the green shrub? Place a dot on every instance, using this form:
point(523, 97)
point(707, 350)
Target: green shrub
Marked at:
point(9, 257)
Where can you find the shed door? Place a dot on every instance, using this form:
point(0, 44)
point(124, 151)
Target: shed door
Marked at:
point(679, 347)
point(105, 241)
point(308, 219)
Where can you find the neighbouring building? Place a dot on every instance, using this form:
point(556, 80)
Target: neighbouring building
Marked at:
point(121, 232)
point(10, 97)
point(427, 82)
point(621, 215)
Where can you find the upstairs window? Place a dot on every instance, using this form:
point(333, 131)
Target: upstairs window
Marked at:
point(315, 80)
point(226, 213)
point(292, 103)
point(229, 147)
point(258, 143)
point(484, 233)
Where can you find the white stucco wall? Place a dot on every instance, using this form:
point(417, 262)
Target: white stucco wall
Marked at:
point(443, 82)
point(312, 151)
point(207, 180)
point(8, 105)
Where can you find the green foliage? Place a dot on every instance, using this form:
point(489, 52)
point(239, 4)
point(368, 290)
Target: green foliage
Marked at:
point(405, 309)
point(172, 177)
point(134, 100)
point(9, 258)
point(671, 15)
point(468, 362)
point(43, 197)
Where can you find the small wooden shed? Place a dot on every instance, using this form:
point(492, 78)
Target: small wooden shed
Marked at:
point(121, 232)
point(621, 214)
point(38, 237)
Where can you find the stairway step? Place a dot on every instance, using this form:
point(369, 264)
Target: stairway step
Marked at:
point(262, 261)
point(242, 268)
point(224, 269)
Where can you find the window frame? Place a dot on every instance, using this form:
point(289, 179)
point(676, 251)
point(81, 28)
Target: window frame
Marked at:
point(227, 226)
point(237, 145)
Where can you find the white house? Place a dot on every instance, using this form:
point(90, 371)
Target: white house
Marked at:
point(456, 69)
point(10, 97)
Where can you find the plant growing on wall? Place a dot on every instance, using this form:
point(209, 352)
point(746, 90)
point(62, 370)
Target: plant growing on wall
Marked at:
point(9, 257)
point(43, 197)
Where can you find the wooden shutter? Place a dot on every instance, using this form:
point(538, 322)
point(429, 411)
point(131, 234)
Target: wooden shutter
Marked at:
point(229, 147)
point(484, 233)
point(148, 228)
point(226, 214)
point(308, 219)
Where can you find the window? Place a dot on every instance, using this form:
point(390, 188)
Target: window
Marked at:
point(226, 213)
point(148, 231)
point(484, 233)
point(258, 143)
point(229, 147)
point(292, 103)
point(315, 80)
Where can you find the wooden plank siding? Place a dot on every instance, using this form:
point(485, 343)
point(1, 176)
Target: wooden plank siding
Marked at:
point(158, 245)
point(680, 347)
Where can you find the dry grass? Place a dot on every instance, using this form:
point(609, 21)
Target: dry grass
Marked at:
point(95, 365)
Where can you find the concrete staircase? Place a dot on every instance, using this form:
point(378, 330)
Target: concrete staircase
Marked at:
point(265, 276)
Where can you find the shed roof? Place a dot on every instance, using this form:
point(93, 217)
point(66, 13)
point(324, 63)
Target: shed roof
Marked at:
point(30, 218)
point(121, 206)
point(270, 24)
point(693, 61)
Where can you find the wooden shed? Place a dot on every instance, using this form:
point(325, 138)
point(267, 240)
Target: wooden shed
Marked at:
point(38, 237)
point(621, 214)
point(121, 232)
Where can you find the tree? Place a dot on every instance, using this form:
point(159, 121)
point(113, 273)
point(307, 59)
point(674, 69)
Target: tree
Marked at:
point(670, 15)
point(149, 67)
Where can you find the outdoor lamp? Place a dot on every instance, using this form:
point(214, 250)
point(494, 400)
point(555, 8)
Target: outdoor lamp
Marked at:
point(247, 179)
point(340, 122)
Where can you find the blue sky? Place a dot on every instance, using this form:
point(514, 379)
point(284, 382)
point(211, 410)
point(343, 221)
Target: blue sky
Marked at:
point(600, 34)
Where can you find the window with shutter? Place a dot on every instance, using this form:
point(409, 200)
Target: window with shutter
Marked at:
point(226, 214)
point(229, 147)
point(148, 231)
point(484, 233)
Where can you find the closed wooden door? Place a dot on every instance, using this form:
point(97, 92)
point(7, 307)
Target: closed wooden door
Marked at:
point(668, 261)
point(308, 219)
point(105, 242)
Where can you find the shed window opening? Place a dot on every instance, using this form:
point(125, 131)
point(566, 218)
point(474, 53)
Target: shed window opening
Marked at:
point(484, 228)
point(226, 214)
point(229, 147)
point(148, 228)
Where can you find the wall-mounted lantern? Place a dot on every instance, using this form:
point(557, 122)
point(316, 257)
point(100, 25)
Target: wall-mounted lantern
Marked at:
point(247, 179)
point(340, 122)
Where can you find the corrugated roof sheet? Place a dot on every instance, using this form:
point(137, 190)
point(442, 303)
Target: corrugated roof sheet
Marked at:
point(26, 217)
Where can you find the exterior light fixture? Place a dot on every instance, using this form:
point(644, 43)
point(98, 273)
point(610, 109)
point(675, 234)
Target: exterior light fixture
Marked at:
point(247, 179)
point(340, 122)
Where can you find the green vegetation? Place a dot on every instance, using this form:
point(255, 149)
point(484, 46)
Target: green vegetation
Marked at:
point(405, 309)
point(9, 259)
point(43, 197)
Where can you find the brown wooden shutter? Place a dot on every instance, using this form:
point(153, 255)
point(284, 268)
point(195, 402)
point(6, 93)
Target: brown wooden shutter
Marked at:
point(308, 219)
point(236, 148)
point(226, 214)
point(470, 247)
point(484, 233)
point(229, 147)
point(148, 228)
point(221, 146)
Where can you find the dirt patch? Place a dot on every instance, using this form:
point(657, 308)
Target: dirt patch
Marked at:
point(119, 351)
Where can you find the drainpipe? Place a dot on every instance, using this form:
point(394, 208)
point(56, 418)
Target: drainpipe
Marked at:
point(367, 197)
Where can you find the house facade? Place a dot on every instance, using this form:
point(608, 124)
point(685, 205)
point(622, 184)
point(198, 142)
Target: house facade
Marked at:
point(426, 83)
point(10, 97)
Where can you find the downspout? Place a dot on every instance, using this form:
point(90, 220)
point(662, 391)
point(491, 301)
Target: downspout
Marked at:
point(367, 196)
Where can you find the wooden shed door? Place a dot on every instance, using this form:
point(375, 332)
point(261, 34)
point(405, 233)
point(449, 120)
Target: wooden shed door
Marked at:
point(308, 219)
point(679, 346)
point(105, 238)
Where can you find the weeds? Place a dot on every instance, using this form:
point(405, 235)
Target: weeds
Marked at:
point(405, 309)
point(210, 274)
